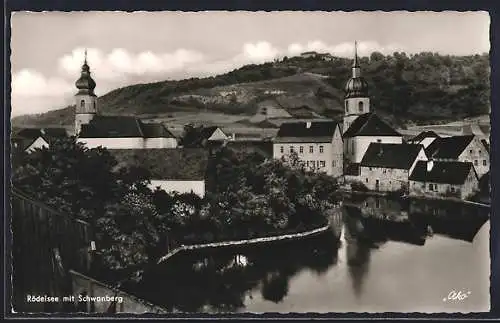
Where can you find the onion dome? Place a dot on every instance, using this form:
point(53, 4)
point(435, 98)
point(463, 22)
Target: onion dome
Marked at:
point(357, 85)
point(85, 84)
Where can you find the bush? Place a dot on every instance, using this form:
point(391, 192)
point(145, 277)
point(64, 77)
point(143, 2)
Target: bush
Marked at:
point(359, 186)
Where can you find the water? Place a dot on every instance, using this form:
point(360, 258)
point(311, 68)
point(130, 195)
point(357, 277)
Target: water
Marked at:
point(380, 256)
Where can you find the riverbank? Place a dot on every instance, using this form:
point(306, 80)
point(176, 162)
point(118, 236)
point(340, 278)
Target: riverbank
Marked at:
point(409, 197)
point(291, 236)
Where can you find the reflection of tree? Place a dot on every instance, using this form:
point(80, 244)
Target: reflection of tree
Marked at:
point(275, 287)
point(192, 281)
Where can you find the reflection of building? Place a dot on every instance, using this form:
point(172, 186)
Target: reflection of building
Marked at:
point(443, 179)
point(463, 149)
point(317, 144)
point(386, 167)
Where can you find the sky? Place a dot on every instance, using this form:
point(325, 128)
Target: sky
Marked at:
point(129, 48)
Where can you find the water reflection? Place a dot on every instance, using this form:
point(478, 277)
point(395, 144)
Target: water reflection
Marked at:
point(231, 279)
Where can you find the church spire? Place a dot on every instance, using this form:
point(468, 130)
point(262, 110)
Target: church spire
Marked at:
point(356, 71)
point(355, 63)
point(85, 59)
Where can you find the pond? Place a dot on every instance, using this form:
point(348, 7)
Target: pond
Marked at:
point(380, 255)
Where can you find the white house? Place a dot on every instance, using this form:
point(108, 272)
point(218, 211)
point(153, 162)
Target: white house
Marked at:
point(444, 179)
point(29, 139)
point(317, 144)
point(387, 167)
point(461, 148)
point(181, 170)
point(125, 132)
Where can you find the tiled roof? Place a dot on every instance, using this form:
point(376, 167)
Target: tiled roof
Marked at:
point(166, 164)
point(155, 130)
point(321, 131)
point(123, 127)
point(400, 156)
point(423, 135)
point(449, 147)
point(369, 124)
point(450, 172)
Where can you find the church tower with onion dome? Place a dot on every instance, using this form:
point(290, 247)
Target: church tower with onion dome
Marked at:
point(356, 101)
point(85, 99)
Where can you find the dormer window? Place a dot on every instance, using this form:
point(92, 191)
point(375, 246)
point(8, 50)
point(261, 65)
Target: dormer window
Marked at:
point(82, 104)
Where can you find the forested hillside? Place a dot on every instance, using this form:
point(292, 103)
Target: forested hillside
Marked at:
point(419, 88)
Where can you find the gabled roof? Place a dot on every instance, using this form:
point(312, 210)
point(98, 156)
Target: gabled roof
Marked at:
point(123, 127)
point(369, 124)
point(449, 147)
point(27, 136)
point(450, 172)
point(207, 132)
point(424, 134)
point(400, 156)
point(319, 131)
point(166, 164)
point(486, 145)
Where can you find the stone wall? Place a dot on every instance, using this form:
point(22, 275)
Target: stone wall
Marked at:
point(389, 179)
point(105, 296)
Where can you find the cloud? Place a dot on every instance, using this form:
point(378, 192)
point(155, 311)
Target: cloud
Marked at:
point(121, 64)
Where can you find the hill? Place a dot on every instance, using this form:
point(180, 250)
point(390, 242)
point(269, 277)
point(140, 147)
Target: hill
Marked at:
point(406, 90)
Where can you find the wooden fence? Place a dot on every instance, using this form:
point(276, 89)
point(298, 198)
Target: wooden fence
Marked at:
point(46, 243)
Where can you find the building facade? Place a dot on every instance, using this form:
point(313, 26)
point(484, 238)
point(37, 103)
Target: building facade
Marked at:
point(387, 167)
point(461, 148)
point(443, 179)
point(317, 144)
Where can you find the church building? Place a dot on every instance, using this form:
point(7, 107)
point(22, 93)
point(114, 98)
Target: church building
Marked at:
point(361, 126)
point(113, 132)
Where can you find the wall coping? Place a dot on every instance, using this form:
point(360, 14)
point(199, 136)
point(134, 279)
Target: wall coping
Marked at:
point(244, 241)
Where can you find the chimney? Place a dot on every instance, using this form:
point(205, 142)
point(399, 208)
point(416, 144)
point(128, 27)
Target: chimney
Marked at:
point(430, 165)
point(308, 125)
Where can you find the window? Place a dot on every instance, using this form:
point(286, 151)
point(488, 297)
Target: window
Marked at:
point(484, 162)
point(291, 149)
point(95, 106)
point(369, 168)
point(346, 106)
point(82, 104)
point(360, 106)
point(384, 171)
point(367, 179)
point(475, 162)
point(452, 189)
point(470, 151)
point(377, 203)
point(311, 149)
point(301, 149)
point(379, 140)
point(480, 151)
point(320, 149)
point(352, 146)
point(333, 163)
point(430, 187)
point(282, 149)
point(322, 163)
